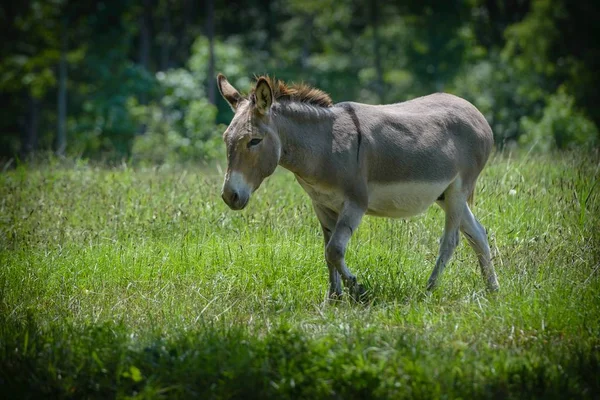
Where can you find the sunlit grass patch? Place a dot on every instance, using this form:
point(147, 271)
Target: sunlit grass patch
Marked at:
point(124, 282)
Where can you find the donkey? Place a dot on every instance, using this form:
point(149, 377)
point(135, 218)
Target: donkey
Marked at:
point(354, 159)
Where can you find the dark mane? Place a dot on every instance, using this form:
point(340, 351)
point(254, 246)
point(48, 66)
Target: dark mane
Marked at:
point(296, 92)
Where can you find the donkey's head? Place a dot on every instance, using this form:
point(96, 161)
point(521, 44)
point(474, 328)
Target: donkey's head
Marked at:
point(253, 146)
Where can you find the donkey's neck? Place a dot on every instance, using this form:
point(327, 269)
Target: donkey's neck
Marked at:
point(304, 131)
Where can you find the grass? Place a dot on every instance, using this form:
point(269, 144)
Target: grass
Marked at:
point(141, 283)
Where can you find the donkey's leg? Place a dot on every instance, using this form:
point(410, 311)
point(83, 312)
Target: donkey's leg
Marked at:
point(335, 251)
point(453, 205)
point(328, 219)
point(477, 238)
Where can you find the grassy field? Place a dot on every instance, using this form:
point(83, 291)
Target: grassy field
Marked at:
point(142, 283)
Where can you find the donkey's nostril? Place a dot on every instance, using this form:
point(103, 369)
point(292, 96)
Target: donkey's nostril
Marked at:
point(234, 197)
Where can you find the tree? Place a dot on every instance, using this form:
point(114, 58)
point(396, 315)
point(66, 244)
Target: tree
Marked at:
point(61, 129)
point(29, 56)
point(210, 33)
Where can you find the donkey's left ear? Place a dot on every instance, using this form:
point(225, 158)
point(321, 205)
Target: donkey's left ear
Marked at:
point(228, 92)
point(263, 96)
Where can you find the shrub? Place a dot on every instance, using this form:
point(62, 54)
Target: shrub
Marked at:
point(561, 126)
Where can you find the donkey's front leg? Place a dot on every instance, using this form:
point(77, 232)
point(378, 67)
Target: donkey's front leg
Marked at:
point(348, 220)
point(328, 219)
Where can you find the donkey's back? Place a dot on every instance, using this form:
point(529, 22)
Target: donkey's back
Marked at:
point(431, 138)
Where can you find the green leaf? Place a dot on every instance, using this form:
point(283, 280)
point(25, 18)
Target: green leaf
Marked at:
point(135, 374)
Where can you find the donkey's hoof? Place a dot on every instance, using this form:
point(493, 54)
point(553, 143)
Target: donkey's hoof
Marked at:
point(334, 297)
point(493, 287)
point(431, 285)
point(360, 294)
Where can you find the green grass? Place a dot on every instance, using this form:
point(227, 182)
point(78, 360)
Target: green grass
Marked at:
point(141, 283)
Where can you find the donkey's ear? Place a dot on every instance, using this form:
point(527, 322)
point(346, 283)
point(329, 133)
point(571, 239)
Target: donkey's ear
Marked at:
point(263, 96)
point(228, 92)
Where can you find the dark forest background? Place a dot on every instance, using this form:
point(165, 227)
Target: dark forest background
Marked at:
point(135, 80)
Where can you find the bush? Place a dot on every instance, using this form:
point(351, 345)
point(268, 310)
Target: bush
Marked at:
point(502, 94)
point(561, 126)
point(182, 124)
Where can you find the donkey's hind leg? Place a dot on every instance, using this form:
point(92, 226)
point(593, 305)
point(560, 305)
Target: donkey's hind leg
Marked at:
point(453, 205)
point(477, 238)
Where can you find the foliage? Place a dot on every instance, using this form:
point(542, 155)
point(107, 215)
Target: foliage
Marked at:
point(509, 59)
point(141, 283)
point(561, 126)
point(529, 41)
point(105, 126)
point(30, 69)
point(492, 86)
point(181, 125)
point(229, 57)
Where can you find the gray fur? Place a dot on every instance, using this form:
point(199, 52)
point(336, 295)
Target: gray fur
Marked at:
point(350, 157)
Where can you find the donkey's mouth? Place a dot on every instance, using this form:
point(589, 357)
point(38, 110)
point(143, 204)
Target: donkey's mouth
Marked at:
point(235, 200)
point(238, 206)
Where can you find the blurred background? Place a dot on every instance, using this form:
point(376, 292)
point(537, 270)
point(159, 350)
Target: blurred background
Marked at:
point(135, 80)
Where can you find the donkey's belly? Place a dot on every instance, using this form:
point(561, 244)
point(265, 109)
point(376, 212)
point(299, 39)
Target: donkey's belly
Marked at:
point(403, 199)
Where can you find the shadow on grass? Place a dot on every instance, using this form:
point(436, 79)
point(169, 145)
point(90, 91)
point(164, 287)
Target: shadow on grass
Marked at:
point(104, 361)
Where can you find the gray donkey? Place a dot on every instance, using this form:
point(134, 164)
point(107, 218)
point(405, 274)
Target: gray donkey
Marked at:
point(354, 159)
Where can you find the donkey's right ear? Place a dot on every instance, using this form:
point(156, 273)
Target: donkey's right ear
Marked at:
point(228, 92)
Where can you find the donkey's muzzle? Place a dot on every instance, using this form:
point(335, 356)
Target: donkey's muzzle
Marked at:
point(234, 199)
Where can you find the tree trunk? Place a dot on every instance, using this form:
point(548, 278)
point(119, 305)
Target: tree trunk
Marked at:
point(61, 134)
point(187, 31)
point(377, 50)
point(30, 133)
point(166, 42)
point(308, 27)
point(270, 25)
point(210, 33)
point(145, 43)
point(145, 34)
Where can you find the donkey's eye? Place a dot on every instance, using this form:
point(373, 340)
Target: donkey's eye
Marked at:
point(254, 142)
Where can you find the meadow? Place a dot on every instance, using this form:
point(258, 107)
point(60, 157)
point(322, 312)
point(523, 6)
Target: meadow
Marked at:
point(140, 283)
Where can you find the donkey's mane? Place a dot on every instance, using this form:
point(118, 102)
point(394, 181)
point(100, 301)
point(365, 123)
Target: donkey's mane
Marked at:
point(299, 92)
